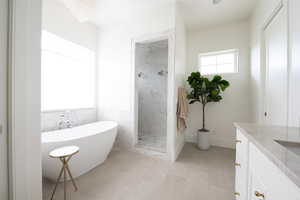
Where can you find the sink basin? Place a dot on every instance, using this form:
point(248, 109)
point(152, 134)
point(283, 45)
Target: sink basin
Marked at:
point(291, 146)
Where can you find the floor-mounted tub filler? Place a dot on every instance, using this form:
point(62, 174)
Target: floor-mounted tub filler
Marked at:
point(95, 141)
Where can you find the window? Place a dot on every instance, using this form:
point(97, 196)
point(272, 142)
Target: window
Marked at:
point(219, 62)
point(68, 74)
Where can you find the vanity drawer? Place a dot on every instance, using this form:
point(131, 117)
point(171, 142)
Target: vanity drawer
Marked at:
point(277, 185)
point(257, 190)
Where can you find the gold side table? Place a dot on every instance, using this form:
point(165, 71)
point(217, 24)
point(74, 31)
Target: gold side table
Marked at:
point(64, 154)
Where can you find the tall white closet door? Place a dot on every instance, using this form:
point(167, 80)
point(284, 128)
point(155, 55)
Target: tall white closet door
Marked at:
point(3, 101)
point(294, 96)
point(276, 70)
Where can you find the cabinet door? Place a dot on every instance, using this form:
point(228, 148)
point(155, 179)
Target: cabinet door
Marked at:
point(276, 69)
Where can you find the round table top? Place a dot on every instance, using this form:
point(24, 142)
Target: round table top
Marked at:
point(64, 152)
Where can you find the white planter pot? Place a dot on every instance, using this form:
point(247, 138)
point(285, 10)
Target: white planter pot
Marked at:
point(203, 140)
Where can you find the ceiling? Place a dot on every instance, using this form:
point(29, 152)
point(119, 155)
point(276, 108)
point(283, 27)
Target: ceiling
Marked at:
point(123, 11)
point(83, 10)
point(197, 14)
point(203, 13)
point(110, 12)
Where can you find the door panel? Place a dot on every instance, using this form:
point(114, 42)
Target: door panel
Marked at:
point(276, 69)
point(3, 97)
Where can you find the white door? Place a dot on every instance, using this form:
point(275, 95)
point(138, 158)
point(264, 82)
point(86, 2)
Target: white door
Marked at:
point(3, 101)
point(276, 70)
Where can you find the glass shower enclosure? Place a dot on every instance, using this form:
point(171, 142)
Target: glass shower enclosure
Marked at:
point(151, 62)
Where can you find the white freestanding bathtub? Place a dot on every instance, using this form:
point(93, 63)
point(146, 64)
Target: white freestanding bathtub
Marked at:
point(95, 141)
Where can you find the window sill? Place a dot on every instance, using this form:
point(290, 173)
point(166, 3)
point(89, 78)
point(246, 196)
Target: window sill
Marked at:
point(64, 110)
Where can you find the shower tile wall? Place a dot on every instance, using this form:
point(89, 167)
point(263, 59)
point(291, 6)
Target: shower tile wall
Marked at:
point(152, 77)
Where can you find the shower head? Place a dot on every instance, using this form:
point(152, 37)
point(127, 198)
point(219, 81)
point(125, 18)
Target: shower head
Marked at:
point(162, 72)
point(140, 75)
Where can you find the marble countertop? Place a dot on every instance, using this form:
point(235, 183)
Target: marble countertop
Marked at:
point(265, 137)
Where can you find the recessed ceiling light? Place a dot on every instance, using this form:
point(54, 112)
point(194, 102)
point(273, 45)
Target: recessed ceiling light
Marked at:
point(216, 1)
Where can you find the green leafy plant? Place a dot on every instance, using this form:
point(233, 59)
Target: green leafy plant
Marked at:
point(205, 91)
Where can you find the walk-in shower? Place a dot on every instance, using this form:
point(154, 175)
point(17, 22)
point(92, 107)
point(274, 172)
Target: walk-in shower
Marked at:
point(151, 63)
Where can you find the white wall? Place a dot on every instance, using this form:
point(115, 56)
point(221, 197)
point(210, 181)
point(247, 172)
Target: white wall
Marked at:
point(260, 15)
point(235, 106)
point(67, 26)
point(180, 71)
point(115, 72)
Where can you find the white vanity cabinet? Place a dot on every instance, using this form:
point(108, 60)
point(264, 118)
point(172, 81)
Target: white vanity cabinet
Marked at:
point(257, 177)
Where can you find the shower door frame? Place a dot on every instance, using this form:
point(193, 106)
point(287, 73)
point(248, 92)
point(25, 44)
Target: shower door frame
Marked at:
point(171, 110)
point(4, 14)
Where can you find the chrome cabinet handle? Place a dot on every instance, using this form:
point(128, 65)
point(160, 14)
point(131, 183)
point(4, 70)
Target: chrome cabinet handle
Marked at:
point(260, 195)
point(238, 141)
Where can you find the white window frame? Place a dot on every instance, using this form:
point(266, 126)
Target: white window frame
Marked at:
point(216, 53)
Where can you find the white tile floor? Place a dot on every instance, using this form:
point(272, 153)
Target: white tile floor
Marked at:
point(153, 142)
point(197, 175)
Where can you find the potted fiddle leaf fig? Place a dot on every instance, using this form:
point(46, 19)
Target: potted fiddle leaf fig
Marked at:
point(204, 91)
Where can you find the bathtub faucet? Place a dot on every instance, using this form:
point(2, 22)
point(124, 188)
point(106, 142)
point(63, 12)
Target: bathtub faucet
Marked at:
point(69, 124)
point(63, 123)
